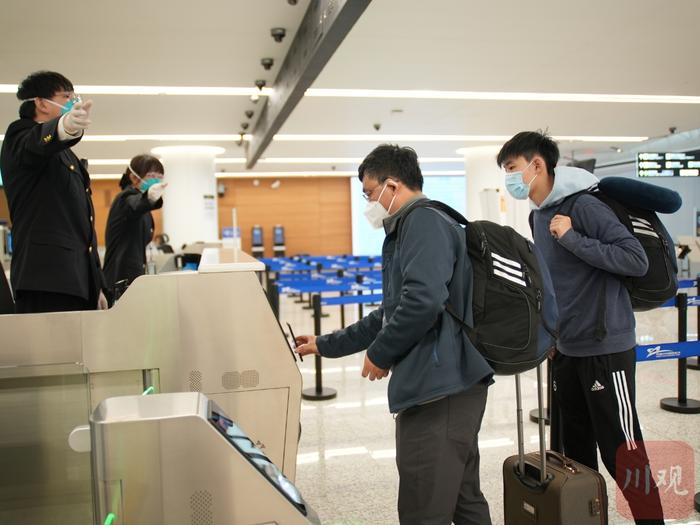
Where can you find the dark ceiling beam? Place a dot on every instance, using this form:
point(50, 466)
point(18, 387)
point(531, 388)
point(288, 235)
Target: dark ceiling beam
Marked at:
point(325, 25)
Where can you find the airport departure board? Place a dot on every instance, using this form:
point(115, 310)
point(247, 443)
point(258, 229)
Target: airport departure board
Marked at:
point(685, 164)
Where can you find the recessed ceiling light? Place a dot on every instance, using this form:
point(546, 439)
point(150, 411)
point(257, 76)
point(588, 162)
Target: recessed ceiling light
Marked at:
point(501, 96)
point(159, 90)
point(347, 138)
point(329, 173)
point(289, 160)
point(190, 150)
point(384, 93)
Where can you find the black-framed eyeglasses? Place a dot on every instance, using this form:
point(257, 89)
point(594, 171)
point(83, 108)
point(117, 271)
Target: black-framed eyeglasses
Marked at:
point(368, 195)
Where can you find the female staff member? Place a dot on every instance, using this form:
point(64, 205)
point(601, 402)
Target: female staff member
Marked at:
point(130, 224)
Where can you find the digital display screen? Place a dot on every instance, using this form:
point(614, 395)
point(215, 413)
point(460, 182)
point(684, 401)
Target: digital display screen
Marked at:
point(257, 236)
point(245, 446)
point(279, 235)
point(686, 164)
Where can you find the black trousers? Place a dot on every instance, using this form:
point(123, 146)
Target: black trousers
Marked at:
point(34, 302)
point(437, 455)
point(596, 400)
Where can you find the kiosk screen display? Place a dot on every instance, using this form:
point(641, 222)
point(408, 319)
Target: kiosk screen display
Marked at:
point(257, 237)
point(245, 446)
point(279, 235)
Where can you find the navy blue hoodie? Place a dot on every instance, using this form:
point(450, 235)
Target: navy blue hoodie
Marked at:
point(586, 264)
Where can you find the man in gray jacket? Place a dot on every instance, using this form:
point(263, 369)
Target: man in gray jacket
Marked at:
point(588, 252)
point(439, 381)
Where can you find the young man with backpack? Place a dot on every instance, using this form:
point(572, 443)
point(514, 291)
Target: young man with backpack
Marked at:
point(439, 381)
point(588, 252)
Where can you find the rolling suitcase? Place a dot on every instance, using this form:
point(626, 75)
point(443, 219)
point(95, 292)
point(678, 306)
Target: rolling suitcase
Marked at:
point(558, 491)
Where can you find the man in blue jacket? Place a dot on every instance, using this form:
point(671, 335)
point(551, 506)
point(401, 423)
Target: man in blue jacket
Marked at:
point(439, 381)
point(588, 251)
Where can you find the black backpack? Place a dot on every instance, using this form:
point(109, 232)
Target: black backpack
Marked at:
point(660, 283)
point(515, 311)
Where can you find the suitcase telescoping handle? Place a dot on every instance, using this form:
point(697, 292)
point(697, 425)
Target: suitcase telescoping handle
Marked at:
point(521, 438)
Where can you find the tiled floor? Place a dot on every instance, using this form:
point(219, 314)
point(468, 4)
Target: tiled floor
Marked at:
point(346, 468)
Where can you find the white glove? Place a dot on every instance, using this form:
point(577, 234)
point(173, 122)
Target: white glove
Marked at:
point(78, 118)
point(155, 192)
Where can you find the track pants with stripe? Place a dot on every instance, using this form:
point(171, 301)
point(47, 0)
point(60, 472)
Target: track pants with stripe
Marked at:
point(596, 399)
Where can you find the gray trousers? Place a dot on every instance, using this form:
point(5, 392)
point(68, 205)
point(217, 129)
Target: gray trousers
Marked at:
point(437, 455)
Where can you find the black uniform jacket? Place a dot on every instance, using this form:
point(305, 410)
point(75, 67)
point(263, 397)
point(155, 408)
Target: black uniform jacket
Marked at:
point(53, 233)
point(129, 230)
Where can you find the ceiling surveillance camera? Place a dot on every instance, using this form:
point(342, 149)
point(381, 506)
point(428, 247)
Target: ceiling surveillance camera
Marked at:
point(292, 2)
point(244, 126)
point(267, 63)
point(260, 84)
point(377, 126)
point(278, 33)
point(249, 113)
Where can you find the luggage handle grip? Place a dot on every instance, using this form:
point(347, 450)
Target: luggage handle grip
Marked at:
point(565, 462)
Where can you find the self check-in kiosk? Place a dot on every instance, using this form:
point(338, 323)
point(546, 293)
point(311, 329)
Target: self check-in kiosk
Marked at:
point(278, 243)
point(179, 459)
point(210, 331)
point(257, 245)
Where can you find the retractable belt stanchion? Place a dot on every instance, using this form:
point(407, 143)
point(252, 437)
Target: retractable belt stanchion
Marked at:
point(682, 404)
point(360, 309)
point(266, 284)
point(310, 305)
point(341, 274)
point(694, 362)
point(319, 392)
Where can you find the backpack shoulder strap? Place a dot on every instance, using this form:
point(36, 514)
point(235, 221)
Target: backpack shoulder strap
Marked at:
point(451, 212)
point(567, 204)
point(427, 203)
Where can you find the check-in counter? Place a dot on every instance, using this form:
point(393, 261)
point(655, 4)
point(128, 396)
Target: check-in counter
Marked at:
point(210, 331)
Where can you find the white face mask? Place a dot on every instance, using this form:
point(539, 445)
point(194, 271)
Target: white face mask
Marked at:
point(375, 212)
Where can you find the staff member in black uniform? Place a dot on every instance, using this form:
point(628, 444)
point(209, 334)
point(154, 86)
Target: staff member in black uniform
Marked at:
point(130, 224)
point(55, 265)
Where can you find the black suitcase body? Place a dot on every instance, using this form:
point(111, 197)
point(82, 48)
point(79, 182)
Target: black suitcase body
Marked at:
point(559, 491)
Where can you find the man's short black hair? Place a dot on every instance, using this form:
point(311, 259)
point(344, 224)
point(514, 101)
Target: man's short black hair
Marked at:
point(528, 144)
point(391, 161)
point(42, 84)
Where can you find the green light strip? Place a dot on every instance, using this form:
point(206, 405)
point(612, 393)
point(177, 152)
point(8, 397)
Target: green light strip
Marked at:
point(110, 518)
point(149, 390)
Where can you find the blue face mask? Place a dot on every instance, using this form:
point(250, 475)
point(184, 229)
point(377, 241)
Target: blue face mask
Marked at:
point(515, 185)
point(145, 184)
point(65, 108)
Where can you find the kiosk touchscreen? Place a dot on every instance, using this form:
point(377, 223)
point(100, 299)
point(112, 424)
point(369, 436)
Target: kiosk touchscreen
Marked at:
point(257, 247)
point(260, 461)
